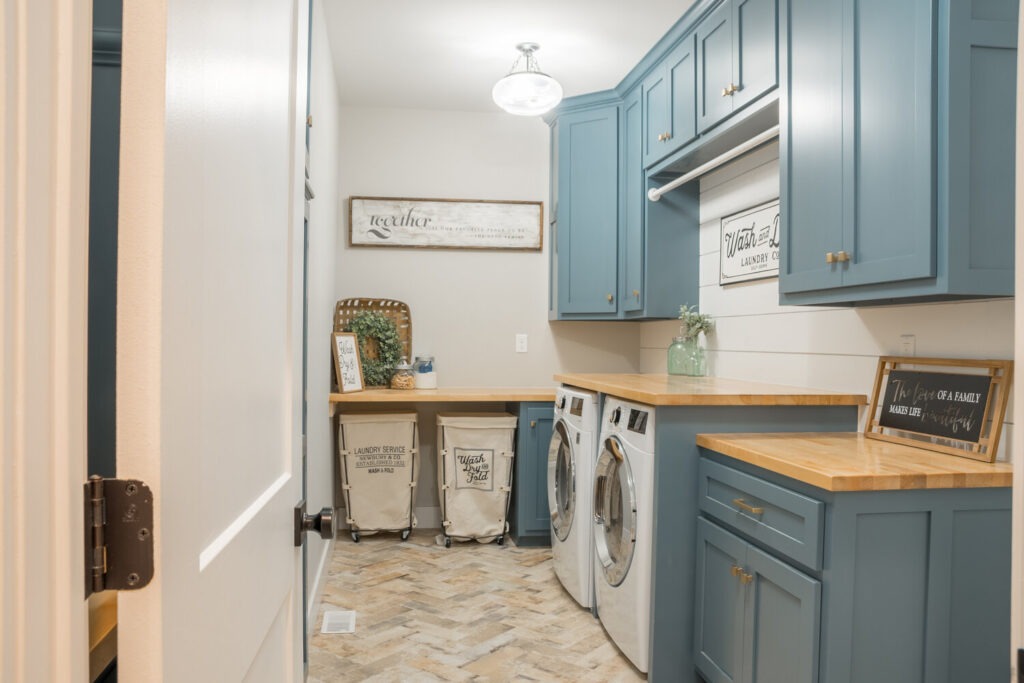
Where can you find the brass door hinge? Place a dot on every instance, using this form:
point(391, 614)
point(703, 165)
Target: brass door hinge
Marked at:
point(118, 534)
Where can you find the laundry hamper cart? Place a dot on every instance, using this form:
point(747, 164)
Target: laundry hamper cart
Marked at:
point(475, 452)
point(379, 466)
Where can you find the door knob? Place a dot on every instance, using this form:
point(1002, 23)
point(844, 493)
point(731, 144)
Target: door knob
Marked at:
point(322, 522)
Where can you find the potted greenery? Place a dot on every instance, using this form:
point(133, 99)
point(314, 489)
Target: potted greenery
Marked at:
point(686, 355)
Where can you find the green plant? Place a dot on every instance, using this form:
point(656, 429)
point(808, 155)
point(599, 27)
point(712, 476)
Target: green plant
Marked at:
point(370, 326)
point(693, 322)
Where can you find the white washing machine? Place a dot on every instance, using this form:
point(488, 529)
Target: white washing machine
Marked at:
point(571, 457)
point(623, 520)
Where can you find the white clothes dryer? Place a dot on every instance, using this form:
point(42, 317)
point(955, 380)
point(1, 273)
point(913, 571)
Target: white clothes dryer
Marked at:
point(623, 521)
point(571, 457)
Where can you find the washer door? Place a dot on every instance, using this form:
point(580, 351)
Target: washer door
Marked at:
point(561, 481)
point(614, 512)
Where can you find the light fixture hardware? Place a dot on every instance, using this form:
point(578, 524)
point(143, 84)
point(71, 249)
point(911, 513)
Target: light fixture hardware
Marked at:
point(526, 90)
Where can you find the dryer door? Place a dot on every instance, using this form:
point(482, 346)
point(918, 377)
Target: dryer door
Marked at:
point(614, 512)
point(561, 481)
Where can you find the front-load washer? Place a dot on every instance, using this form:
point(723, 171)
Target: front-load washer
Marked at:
point(622, 522)
point(571, 457)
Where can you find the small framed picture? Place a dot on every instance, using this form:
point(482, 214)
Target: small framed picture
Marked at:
point(347, 367)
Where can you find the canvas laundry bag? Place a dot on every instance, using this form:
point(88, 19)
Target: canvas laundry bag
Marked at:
point(475, 453)
point(379, 468)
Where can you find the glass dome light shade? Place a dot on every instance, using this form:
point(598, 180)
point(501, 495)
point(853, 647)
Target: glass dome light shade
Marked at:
point(527, 93)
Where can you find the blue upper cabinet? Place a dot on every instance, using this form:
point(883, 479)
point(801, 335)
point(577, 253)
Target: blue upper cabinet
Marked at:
point(670, 103)
point(585, 255)
point(631, 235)
point(736, 58)
point(896, 183)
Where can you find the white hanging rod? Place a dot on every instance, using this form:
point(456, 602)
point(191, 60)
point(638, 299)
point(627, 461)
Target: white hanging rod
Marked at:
point(654, 194)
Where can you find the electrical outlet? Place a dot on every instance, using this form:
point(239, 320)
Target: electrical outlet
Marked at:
point(908, 345)
point(520, 343)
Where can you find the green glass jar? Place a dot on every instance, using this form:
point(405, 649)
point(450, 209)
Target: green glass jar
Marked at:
point(686, 357)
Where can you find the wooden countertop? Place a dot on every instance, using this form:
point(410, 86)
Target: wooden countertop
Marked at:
point(848, 461)
point(675, 390)
point(446, 395)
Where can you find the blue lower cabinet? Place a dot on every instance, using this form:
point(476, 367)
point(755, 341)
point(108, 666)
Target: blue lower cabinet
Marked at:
point(913, 586)
point(529, 518)
point(756, 617)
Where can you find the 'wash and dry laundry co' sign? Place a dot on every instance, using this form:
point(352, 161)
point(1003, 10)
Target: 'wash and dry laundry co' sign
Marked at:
point(450, 223)
point(750, 244)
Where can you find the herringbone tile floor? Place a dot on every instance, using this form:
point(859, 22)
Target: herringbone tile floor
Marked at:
point(471, 612)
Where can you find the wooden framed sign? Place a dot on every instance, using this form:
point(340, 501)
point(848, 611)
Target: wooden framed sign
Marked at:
point(347, 367)
point(750, 244)
point(445, 223)
point(947, 405)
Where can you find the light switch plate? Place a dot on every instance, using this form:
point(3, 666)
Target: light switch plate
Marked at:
point(521, 343)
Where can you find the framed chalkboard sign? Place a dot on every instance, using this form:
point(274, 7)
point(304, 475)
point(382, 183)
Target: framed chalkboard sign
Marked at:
point(347, 368)
point(953, 406)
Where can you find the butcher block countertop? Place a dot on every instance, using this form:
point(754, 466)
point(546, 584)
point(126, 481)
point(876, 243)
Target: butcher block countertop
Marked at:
point(675, 390)
point(848, 461)
point(446, 395)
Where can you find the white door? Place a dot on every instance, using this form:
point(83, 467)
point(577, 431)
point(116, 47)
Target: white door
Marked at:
point(45, 64)
point(209, 334)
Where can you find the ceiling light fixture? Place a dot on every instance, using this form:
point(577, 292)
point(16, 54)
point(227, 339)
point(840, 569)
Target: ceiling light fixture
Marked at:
point(526, 90)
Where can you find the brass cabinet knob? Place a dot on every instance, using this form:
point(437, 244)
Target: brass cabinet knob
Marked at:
point(668, 136)
point(735, 570)
point(661, 137)
point(842, 257)
point(726, 92)
point(830, 257)
point(533, 423)
point(746, 578)
point(636, 293)
point(611, 298)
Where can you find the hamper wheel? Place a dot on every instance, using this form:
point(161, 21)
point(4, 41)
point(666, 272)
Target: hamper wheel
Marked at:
point(355, 537)
point(405, 534)
point(447, 542)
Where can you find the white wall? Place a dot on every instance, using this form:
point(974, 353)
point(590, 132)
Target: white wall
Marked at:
point(466, 306)
point(829, 348)
point(323, 236)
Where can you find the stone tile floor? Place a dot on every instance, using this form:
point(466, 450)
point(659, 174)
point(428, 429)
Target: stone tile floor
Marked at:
point(472, 612)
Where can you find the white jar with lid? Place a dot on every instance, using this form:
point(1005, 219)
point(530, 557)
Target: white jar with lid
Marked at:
point(425, 373)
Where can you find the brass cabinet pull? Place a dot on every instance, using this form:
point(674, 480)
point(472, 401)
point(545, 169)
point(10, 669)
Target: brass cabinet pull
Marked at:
point(744, 505)
point(611, 298)
point(842, 257)
point(830, 257)
point(746, 578)
point(736, 570)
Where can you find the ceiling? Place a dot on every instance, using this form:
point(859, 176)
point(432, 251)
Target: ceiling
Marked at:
point(447, 54)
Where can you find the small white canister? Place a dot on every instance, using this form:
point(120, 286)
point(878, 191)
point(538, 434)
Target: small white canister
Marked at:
point(426, 375)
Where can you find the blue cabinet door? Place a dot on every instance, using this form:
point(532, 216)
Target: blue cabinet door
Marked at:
point(782, 621)
point(530, 520)
point(755, 51)
point(811, 144)
point(889, 222)
point(681, 67)
point(631, 239)
point(714, 67)
point(719, 606)
point(657, 124)
point(587, 223)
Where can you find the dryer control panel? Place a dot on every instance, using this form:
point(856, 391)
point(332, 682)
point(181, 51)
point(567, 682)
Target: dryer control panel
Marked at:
point(632, 421)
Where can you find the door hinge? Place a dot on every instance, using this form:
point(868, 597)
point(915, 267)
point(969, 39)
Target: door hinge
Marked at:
point(118, 534)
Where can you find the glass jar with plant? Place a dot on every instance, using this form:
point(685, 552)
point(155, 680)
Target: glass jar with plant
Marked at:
point(686, 356)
